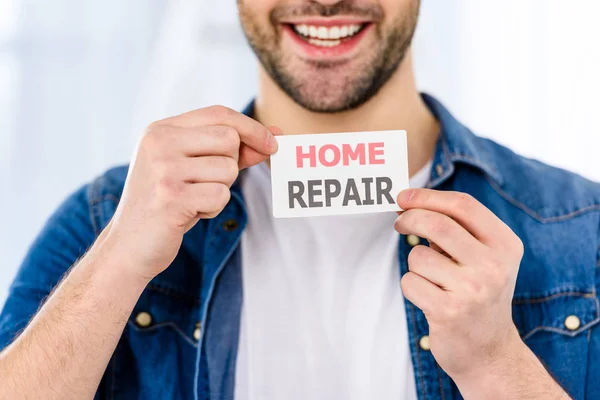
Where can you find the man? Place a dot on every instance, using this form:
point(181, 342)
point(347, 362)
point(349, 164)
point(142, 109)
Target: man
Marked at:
point(172, 279)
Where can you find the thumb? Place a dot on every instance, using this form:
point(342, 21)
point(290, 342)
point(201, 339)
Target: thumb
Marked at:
point(250, 157)
point(276, 131)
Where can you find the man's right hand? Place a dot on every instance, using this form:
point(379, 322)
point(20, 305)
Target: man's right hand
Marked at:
point(182, 172)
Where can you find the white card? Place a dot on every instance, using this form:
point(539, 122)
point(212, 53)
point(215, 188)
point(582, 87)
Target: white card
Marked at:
point(339, 173)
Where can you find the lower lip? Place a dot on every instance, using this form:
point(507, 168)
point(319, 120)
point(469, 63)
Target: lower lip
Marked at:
point(318, 52)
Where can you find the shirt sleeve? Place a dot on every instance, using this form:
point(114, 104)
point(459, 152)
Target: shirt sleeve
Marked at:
point(592, 389)
point(65, 238)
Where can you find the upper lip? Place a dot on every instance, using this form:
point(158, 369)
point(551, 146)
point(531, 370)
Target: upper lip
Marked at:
point(325, 21)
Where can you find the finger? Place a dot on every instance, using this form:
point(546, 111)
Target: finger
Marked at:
point(205, 199)
point(276, 131)
point(217, 169)
point(194, 142)
point(250, 157)
point(251, 132)
point(437, 248)
point(464, 209)
point(422, 293)
point(434, 267)
point(445, 232)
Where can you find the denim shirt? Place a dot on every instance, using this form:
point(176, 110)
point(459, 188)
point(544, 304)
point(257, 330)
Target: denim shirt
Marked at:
point(189, 349)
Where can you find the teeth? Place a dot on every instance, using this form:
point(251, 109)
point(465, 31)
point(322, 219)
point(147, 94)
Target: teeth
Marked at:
point(324, 43)
point(334, 33)
point(302, 29)
point(324, 33)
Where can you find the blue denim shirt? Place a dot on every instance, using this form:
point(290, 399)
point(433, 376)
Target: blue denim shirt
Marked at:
point(554, 212)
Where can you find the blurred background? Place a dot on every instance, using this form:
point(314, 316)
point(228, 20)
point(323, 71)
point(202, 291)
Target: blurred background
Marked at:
point(80, 79)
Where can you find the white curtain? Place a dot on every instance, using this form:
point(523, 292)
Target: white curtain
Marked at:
point(80, 79)
point(524, 73)
point(70, 71)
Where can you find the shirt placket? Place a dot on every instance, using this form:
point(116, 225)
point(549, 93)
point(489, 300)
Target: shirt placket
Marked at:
point(431, 381)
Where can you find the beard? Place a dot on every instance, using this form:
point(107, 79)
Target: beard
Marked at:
point(331, 86)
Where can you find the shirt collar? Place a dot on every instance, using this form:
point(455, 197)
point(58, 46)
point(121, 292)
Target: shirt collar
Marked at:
point(456, 145)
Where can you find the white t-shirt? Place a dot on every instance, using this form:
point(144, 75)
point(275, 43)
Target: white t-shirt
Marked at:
point(323, 314)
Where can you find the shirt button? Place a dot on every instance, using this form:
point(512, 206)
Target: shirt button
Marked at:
point(197, 332)
point(143, 319)
point(572, 322)
point(230, 225)
point(413, 240)
point(424, 343)
point(439, 169)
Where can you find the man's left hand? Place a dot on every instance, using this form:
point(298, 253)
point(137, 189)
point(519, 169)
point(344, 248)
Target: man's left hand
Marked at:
point(464, 282)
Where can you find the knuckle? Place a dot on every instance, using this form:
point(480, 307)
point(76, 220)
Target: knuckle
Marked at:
point(153, 127)
point(463, 201)
point(452, 309)
point(407, 219)
point(232, 170)
point(168, 189)
point(406, 284)
point(154, 135)
point(424, 196)
point(417, 256)
point(475, 290)
point(437, 224)
point(495, 265)
point(210, 215)
point(162, 170)
point(225, 169)
point(226, 166)
point(230, 138)
point(218, 111)
point(519, 247)
point(213, 197)
point(499, 277)
point(221, 195)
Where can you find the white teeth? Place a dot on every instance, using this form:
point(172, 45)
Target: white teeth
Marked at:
point(327, 33)
point(324, 43)
point(302, 29)
point(334, 33)
point(323, 33)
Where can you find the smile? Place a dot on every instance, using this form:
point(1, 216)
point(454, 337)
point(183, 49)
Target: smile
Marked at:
point(329, 39)
point(327, 36)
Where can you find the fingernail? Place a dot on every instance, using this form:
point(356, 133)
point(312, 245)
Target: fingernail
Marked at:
point(396, 226)
point(275, 130)
point(272, 142)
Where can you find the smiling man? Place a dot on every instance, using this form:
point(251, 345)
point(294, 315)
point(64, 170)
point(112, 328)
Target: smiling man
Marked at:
point(171, 279)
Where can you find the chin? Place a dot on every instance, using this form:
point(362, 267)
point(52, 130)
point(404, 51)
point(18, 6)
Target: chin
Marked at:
point(324, 87)
point(322, 103)
point(322, 92)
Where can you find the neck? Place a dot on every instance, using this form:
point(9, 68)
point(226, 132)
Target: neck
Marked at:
point(397, 105)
